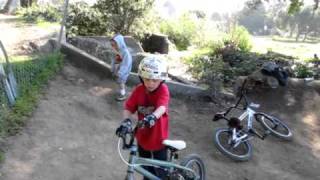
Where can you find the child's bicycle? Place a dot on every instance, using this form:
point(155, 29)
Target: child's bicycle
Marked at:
point(233, 141)
point(190, 168)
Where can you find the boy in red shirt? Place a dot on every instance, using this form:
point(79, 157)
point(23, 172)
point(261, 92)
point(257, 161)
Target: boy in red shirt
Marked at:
point(150, 100)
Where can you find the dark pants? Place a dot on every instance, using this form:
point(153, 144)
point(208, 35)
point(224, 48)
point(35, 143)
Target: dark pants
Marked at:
point(159, 155)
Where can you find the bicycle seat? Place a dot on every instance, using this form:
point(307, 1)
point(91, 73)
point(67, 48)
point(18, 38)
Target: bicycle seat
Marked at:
point(175, 144)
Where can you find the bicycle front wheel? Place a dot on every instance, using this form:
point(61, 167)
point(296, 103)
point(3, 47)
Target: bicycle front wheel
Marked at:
point(274, 125)
point(194, 162)
point(223, 141)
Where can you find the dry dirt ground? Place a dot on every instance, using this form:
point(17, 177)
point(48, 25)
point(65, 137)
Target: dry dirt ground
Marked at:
point(16, 35)
point(70, 135)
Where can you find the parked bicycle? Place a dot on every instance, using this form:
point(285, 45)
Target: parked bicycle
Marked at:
point(190, 168)
point(234, 140)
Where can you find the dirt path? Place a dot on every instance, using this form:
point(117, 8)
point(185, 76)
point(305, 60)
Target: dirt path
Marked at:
point(71, 135)
point(16, 35)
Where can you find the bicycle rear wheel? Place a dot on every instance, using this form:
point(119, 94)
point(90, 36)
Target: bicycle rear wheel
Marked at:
point(194, 162)
point(223, 141)
point(274, 125)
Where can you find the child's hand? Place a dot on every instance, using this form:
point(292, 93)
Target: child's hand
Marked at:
point(150, 120)
point(124, 128)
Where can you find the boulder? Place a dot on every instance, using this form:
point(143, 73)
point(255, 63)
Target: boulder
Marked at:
point(156, 43)
point(100, 47)
point(133, 45)
point(94, 47)
point(255, 81)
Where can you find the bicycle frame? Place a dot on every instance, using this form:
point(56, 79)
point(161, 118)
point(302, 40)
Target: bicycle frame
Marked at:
point(136, 163)
point(249, 114)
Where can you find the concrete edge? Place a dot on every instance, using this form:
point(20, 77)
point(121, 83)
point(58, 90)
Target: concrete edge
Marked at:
point(99, 67)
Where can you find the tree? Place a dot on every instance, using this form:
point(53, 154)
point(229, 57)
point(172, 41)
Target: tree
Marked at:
point(27, 3)
point(304, 22)
point(294, 7)
point(121, 14)
point(11, 6)
point(255, 20)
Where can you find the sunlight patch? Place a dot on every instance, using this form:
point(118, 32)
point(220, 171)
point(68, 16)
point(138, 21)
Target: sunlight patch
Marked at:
point(99, 91)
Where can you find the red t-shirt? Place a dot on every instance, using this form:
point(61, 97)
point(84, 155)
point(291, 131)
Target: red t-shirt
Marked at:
point(146, 103)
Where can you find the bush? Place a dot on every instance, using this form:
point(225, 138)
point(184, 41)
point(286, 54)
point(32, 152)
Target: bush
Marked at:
point(239, 37)
point(40, 13)
point(121, 15)
point(84, 20)
point(181, 32)
point(302, 71)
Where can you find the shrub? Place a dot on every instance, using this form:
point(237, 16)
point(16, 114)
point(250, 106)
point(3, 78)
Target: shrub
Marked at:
point(302, 71)
point(40, 13)
point(84, 20)
point(122, 14)
point(181, 32)
point(239, 37)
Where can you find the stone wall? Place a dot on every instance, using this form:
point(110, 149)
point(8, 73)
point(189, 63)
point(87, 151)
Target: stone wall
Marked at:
point(95, 65)
point(100, 47)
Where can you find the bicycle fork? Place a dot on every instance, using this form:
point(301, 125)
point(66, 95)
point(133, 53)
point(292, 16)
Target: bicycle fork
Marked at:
point(130, 170)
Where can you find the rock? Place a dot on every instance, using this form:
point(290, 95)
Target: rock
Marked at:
point(34, 46)
point(133, 45)
point(48, 47)
point(136, 60)
point(256, 80)
point(100, 47)
point(94, 47)
point(156, 43)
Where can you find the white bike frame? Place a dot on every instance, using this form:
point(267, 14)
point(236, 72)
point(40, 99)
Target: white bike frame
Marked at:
point(249, 114)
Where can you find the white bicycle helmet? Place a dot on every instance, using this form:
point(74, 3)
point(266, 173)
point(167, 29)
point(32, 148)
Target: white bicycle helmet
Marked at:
point(153, 67)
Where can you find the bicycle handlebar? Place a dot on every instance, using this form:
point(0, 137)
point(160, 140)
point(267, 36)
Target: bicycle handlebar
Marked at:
point(222, 115)
point(127, 143)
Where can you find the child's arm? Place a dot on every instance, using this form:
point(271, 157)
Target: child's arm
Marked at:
point(152, 118)
point(159, 111)
point(127, 114)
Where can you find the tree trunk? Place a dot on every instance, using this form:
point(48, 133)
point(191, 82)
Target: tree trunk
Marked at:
point(297, 36)
point(27, 3)
point(291, 32)
point(11, 6)
point(308, 29)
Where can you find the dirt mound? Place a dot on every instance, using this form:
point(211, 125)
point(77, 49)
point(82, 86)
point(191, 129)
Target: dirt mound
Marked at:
point(71, 134)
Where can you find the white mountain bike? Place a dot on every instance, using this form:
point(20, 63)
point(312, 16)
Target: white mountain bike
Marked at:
point(234, 140)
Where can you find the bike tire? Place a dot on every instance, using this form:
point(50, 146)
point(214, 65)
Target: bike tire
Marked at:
point(190, 160)
point(220, 143)
point(274, 125)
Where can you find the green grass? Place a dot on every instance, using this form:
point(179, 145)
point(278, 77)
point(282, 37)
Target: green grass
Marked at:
point(46, 24)
point(301, 50)
point(12, 119)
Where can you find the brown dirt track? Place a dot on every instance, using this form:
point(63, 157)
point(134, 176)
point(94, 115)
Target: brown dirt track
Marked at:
point(71, 134)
